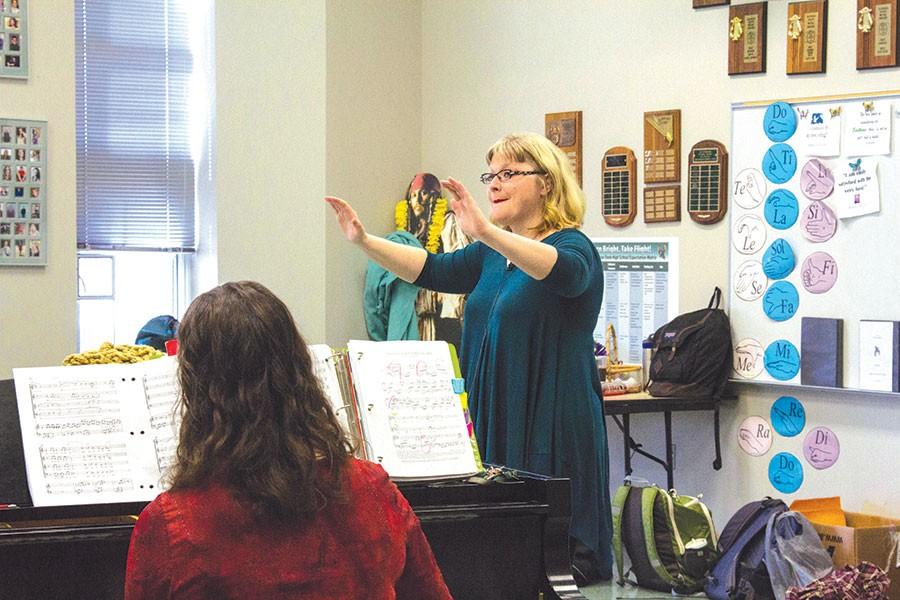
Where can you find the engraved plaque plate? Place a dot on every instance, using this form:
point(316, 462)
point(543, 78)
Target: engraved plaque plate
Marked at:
point(705, 3)
point(747, 38)
point(806, 33)
point(564, 130)
point(619, 174)
point(707, 182)
point(662, 146)
point(877, 26)
point(662, 204)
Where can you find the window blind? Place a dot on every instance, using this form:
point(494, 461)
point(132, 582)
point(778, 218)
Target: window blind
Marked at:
point(135, 171)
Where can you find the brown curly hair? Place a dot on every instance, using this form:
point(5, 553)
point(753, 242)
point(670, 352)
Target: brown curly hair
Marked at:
point(254, 416)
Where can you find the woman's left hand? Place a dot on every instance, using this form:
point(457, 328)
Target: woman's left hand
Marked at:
point(468, 215)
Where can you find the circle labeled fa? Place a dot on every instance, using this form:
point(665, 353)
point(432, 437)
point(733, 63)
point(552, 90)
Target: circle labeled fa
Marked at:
point(782, 360)
point(778, 261)
point(748, 234)
point(818, 273)
point(821, 448)
point(781, 301)
point(816, 180)
point(749, 188)
point(782, 209)
point(785, 473)
point(747, 358)
point(755, 436)
point(750, 281)
point(818, 223)
point(788, 416)
point(780, 121)
point(779, 163)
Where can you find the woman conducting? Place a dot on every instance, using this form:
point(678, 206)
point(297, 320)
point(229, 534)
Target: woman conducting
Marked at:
point(535, 285)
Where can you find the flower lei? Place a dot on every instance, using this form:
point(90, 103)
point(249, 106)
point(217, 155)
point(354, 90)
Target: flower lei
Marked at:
point(438, 215)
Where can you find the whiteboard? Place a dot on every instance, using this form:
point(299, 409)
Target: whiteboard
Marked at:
point(864, 248)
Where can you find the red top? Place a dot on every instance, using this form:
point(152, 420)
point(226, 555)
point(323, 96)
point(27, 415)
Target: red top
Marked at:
point(201, 543)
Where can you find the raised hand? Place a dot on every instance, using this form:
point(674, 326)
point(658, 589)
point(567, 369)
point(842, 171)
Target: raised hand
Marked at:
point(468, 215)
point(347, 219)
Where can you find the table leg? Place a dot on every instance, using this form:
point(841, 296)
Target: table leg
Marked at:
point(626, 434)
point(670, 456)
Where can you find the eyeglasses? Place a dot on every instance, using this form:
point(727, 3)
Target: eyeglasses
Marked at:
point(506, 175)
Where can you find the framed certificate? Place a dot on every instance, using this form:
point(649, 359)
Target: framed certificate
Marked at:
point(662, 146)
point(564, 130)
point(747, 38)
point(707, 182)
point(876, 33)
point(619, 180)
point(806, 32)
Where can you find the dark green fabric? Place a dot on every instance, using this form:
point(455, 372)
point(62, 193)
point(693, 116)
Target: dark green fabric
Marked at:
point(389, 303)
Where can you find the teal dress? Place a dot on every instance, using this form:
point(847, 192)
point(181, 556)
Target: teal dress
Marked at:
point(527, 358)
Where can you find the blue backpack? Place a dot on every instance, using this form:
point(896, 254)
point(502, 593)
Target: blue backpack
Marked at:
point(740, 573)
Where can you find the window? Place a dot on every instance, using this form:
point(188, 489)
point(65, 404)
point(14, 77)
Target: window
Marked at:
point(143, 135)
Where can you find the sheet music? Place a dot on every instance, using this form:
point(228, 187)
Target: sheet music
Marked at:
point(413, 420)
point(97, 433)
point(323, 361)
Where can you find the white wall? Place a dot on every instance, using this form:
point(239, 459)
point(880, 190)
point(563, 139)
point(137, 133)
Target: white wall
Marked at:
point(500, 66)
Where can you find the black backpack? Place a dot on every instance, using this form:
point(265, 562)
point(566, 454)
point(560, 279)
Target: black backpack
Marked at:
point(692, 353)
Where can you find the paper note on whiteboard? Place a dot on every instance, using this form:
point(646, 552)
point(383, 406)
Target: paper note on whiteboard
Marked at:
point(868, 128)
point(856, 188)
point(819, 129)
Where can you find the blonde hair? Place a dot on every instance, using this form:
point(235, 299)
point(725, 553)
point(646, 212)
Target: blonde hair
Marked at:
point(565, 205)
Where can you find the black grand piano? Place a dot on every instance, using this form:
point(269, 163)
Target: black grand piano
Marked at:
point(503, 541)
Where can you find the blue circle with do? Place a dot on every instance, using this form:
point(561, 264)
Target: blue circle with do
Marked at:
point(778, 260)
point(787, 416)
point(782, 360)
point(781, 301)
point(780, 121)
point(785, 472)
point(780, 163)
point(781, 209)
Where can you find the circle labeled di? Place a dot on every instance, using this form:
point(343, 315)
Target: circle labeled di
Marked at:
point(780, 163)
point(785, 473)
point(782, 360)
point(782, 209)
point(748, 234)
point(781, 301)
point(788, 416)
point(778, 260)
point(818, 222)
point(755, 436)
point(747, 358)
point(749, 188)
point(750, 281)
point(819, 272)
point(821, 448)
point(780, 121)
point(816, 180)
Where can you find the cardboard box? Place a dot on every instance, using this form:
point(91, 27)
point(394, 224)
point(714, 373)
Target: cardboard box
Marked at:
point(864, 538)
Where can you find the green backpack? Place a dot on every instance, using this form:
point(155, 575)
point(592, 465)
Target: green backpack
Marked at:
point(670, 539)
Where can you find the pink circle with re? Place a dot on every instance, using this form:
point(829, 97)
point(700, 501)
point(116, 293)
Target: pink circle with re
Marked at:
point(819, 272)
point(821, 448)
point(816, 180)
point(818, 223)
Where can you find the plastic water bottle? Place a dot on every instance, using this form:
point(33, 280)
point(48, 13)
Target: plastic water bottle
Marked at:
point(646, 354)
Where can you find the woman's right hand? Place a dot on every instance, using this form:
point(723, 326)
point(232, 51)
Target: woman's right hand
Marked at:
point(347, 219)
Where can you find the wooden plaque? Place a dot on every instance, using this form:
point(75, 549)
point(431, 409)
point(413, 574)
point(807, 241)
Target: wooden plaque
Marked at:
point(662, 146)
point(564, 130)
point(705, 3)
point(662, 203)
point(619, 181)
point(707, 182)
point(806, 32)
point(747, 38)
point(877, 25)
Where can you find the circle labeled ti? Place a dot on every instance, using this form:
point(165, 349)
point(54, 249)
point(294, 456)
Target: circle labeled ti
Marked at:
point(749, 188)
point(778, 260)
point(818, 273)
point(781, 301)
point(818, 222)
point(780, 163)
point(782, 360)
point(747, 358)
point(780, 121)
point(755, 436)
point(788, 416)
point(816, 180)
point(749, 280)
point(782, 209)
point(748, 234)
point(785, 473)
point(821, 448)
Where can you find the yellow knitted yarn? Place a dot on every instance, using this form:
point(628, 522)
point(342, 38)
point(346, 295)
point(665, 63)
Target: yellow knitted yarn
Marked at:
point(401, 219)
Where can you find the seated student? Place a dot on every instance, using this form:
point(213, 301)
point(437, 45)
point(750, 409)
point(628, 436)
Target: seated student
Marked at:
point(266, 499)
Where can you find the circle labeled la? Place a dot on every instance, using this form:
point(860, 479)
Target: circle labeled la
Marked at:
point(785, 472)
point(779, 163)
point(781, 301)
point(748, 234)
point(750, 281)
point(747, 358)
point(781, 209)
point(749, 188)
point(778, 260)
point(818, 222)
point(816, 180)
point(788, 416)
point(821, 448)
point(755, 436)
point(780, 121)
point(782, 360)
point(818, 273)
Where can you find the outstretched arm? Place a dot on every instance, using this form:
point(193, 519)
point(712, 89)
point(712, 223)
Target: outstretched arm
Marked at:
point(405, 261)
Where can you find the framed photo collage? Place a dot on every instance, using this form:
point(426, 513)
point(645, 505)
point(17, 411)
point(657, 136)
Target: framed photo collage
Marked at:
point(13, 39)
point(23, 192)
